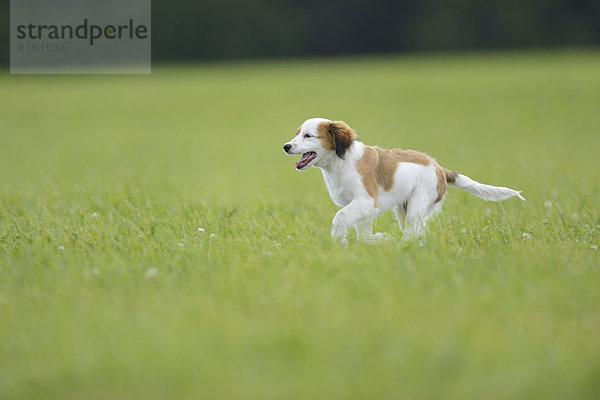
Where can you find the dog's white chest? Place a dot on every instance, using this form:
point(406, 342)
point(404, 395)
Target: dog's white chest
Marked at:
point(339, 187)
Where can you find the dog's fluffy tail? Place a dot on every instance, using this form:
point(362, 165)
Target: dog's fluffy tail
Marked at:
point(486, 192)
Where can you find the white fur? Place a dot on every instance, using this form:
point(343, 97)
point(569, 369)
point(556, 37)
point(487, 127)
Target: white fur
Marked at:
point(486, 192)
point(412, 197)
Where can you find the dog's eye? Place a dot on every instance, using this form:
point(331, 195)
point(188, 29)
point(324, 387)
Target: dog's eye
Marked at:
point(306, 136)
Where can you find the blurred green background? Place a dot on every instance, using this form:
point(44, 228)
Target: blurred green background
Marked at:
point(186, 30)
point(155, 242)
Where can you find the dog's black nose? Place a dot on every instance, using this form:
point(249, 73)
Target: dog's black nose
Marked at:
point(287, 147)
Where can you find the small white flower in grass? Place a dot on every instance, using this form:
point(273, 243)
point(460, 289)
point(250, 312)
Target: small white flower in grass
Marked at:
point(180, 244)
point(526, 236)
point(594, 247)
point(95, 215)
point(150, 273)
point(141, 235)
point(548, 204)
point(201, 230)
point(212, 236)
point(278, 244)
point(61, 248)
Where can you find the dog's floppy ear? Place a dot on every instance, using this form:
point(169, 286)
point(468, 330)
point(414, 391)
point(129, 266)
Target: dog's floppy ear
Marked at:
point(342, 136)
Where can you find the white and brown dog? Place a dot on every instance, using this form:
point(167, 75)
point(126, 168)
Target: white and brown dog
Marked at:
point(367, 180)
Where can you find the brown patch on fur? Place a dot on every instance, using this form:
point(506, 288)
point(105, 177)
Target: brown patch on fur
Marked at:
point(378, 167)
point(442, 184)
point(336, 135)
point(444, 177)
point(450, 175)
point(389, 160)
point(324, 136)
point(367, 167)
point(298, 131)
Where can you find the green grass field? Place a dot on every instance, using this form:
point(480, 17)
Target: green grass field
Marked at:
point(108, 290)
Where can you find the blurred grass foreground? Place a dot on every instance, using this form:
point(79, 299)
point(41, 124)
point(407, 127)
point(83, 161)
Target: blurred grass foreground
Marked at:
point(155, 242)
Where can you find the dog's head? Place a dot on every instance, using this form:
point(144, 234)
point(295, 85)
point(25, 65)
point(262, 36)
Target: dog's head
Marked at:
point(318, 140)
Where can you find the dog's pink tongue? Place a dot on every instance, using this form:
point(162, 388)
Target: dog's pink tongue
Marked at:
point(302, 160)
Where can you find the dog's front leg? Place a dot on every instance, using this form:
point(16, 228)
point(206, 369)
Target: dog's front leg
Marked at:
point(364, 232)
point(351, 215)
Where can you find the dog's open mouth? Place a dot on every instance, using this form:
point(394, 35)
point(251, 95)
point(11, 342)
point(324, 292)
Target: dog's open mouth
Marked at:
point(306, 159)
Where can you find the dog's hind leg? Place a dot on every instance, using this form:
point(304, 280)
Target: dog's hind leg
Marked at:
point(417, 211)
point(400, 211)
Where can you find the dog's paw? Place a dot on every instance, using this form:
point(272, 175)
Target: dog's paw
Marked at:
point(378, 237)
point(341, 241)
point(383, 236)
